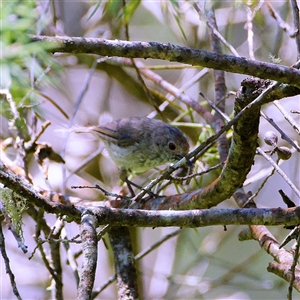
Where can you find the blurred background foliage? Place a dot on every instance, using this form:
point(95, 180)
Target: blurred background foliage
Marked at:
point(69, 90)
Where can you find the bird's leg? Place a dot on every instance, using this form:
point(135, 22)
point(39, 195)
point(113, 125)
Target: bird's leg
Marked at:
point(130, 184)
point(123, 177)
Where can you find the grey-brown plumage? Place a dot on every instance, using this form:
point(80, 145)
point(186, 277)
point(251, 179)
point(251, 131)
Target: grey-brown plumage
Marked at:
point(139, 144)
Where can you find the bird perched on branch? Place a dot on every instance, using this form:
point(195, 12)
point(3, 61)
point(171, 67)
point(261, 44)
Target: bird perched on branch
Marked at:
point(139, 144)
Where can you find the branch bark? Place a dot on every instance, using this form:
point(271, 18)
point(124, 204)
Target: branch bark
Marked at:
point(7, 264)
point(26, 190)
point(197, 218)
point(284, 259)
point(124, 263)
point(170, 52)
point(220, 87)
point(144, 218)
point(90, 252)
point(240, 158)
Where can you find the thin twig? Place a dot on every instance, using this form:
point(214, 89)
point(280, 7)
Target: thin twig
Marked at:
point(7, 265)
point(293, 268)
point(263, 184)
point(105, 192)
point(224, 116)
point(70, 255)
point(75, 110)
point(56, 260)
point(283, 135)
point(279, 170)
point(103, 231)
point(291, 121)
point(222, 39)
point(207, 143)
point(294, 234)
point(180, 179)
point(281, 23)
point(295, 11)
point(220, 88)
point(85, 162)
point(157, 244)
point(170, 88)
point(44, 127)
point(249, 27)
point(137, 258)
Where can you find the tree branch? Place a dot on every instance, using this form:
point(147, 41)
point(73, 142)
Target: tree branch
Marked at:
point(284, 258)
point(26, 190)
point(144, 218)
point(90, 252)
point(220, 87)
point(7, 264)
point(170, 52)
point(197, 218)
point(241, 154)
point(190, 218)
point(124, 263)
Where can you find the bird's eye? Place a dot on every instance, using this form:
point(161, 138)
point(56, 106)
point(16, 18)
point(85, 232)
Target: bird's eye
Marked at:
point(172, 146)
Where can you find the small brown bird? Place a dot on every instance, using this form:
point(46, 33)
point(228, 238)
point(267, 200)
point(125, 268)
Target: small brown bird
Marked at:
point(139, 144)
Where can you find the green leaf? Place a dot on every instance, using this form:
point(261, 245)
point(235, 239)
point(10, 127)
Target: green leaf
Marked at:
point(94, 10)
point(175, 3)
point(114, 7)
point(129, 10)
point(177, 18)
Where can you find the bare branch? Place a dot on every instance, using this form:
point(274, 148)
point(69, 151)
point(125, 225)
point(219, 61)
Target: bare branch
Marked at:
point(286, 260)
point(283, 135)
point(283, 271)
point(197, 218)
point(128, 217)
point(280, 172)
point(26, 190)
point(170, 88)
point(7, 265)
point(90, 251)
point(220, 88)
point(57, 289)
point(170, 52)
point(138, 257)
point(124, 263)
point(281, 23)
point(239, 161)
point(295, 11)
point(291, 121)
point(294, 269)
